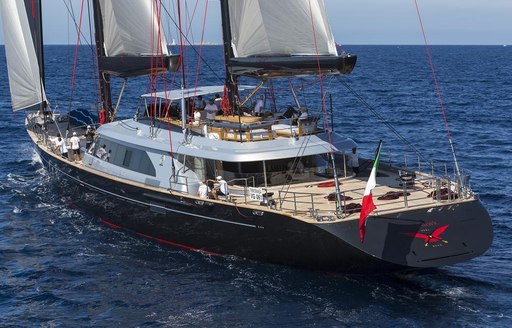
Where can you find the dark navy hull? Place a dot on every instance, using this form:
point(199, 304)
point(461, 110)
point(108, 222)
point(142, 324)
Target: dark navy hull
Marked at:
point(268, 236)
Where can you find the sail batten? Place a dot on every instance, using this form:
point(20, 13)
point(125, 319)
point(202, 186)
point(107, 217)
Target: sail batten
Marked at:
point(25, 81)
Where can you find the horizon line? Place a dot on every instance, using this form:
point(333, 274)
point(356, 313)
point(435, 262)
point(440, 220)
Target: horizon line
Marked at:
point(348, 44)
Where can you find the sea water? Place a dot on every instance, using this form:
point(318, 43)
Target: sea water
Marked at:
point(60, 267)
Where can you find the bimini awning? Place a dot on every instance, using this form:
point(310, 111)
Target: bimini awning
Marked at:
point(192, 92)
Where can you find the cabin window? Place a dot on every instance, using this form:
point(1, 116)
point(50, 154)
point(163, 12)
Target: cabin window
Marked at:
point(127, 158)
point(279, 171)
point(130, 158)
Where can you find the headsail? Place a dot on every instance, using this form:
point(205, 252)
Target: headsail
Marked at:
point(132, 38)
point(21, 25)
point(282, 38)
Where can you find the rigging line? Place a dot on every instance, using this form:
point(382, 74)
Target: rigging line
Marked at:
point(167, 103)
point(320, 76)
point(294, 166)
point(76, 53)
point(382, 119)
point(72, 14)
point(183, 36)
point(340, 46)
point(188, 23)
point(95, 68)
point(433, 71)
point(434, 76)
point(198, 69)
point(190, 19)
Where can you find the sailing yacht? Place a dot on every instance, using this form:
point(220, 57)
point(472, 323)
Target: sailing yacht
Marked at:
point(292, 198)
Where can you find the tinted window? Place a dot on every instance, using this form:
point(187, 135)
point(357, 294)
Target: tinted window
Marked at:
point(133, 159)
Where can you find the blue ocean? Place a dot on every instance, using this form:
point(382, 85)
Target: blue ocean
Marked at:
point(61, 267)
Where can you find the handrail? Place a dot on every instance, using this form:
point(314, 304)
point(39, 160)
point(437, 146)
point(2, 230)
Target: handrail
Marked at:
point(245, 180)
point(175, 179)
point(444, 190)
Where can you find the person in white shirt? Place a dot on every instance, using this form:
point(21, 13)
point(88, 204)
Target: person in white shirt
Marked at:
point(62, 147)
point(203, 191)
point(354, 161)
point(217, 101)
point(303, 113)
point(223, 187)
point(75, 146)
point(101, 153)
point(258, 109)
point(211, 110)
point(197, 118)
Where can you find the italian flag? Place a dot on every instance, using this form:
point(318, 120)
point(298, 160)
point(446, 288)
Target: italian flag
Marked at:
point(367, 206)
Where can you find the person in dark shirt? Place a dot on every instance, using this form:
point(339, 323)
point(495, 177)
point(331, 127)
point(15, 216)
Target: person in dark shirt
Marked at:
point(89, 137)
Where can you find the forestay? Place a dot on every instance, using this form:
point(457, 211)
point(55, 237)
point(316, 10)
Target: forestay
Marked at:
point(27, 91)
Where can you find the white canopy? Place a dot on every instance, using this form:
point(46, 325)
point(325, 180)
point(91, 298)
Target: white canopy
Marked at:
point(192, 92)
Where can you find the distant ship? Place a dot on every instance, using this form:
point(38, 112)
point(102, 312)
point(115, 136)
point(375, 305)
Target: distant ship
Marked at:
point(283, 189)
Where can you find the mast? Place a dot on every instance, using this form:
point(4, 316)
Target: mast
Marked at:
point(231, 80)
point(104, 77)
point(34, 14)
point(35, 21)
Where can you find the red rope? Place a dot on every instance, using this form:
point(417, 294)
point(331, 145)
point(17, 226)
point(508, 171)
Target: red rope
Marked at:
point(198, 69)
point(434, 76)
point(158, 50)
point(76, 51)
point(320, 76)
point(340, 46)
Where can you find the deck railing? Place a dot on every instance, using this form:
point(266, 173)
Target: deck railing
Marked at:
point(440, 189)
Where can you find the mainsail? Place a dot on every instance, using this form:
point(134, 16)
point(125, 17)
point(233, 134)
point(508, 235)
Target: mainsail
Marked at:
point(271, 38)
point(280, 28)
point(23, 49)
point(131, 38)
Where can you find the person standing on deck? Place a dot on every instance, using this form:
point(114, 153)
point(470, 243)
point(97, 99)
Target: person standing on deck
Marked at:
point(217, 101)
point(354, 161)
point(258, 108)
point(61, 146)
point(211, 110)
point(201, 104)
point(75, 146)
point(89, 137)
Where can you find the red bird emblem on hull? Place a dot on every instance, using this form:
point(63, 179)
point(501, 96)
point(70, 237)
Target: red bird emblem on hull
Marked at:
point(434, 237)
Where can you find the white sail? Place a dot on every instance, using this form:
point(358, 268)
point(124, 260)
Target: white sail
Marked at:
point(280, 28)
point(24, 77)
point(132, 28)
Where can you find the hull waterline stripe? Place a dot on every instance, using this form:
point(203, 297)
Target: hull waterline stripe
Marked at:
point(163, 241)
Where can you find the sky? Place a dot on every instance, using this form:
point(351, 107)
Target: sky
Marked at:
point(454, 22)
